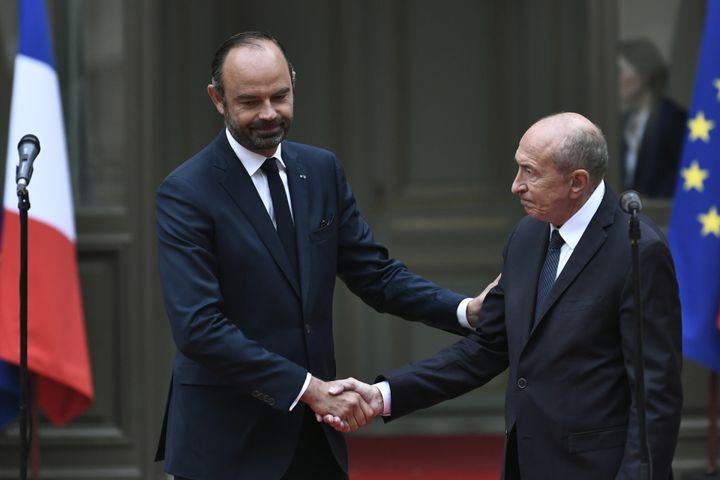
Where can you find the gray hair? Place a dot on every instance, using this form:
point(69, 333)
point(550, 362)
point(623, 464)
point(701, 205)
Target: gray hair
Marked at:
point(583, 148)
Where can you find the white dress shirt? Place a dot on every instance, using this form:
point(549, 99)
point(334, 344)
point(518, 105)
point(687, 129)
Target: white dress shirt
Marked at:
point(252, 163)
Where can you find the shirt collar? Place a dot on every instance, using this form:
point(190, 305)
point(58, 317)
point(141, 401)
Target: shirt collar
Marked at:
point(573, 229)
point(251, 160)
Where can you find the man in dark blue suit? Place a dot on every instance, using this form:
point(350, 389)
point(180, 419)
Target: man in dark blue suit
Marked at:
point(252, 232)
point(570, 409)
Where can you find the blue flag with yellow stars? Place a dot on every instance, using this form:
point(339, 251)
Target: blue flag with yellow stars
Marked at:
point(694, 232)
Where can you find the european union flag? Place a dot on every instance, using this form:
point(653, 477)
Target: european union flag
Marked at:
point(694, 232)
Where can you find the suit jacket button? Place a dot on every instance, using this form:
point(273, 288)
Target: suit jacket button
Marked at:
point(522, 382)
point(307, 328)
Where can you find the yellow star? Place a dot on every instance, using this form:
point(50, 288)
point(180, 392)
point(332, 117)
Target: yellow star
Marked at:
point(694, 176)
point(700, 127)
point(716, 82)
point(710, 222)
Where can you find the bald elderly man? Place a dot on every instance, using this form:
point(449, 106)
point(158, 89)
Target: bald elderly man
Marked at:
point(562, 320)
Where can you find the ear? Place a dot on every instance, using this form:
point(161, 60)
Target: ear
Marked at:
point(579, 183)
point(216, 99)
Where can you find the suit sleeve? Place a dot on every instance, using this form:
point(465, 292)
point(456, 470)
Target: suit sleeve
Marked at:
point(463, 366)
point(662, 360)
point(382, 282)
point(194, 303)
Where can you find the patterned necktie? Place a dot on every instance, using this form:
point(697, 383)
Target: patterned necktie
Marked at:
point(549, 270)
point(281, 210)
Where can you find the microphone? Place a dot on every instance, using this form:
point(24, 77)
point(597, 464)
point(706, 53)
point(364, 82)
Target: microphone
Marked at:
point(630, 202)
point(28, 149)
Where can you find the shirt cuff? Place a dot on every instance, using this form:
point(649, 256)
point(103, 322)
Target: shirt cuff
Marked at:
point(384, 388)
point(302, 390)
point(462, 313)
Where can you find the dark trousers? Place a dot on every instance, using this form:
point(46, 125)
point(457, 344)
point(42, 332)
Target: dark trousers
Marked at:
point(313, 458)
point(512, 465)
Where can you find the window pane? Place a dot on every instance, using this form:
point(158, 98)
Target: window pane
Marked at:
point(91, 62)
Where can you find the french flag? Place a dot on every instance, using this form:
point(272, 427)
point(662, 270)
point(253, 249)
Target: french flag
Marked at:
point(58, 360)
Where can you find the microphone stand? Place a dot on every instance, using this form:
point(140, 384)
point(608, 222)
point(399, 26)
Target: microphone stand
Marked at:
point(644, 471)
point(24, 206)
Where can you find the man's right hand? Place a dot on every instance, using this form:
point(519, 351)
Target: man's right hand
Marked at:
point(346, 410)
point(369, 393)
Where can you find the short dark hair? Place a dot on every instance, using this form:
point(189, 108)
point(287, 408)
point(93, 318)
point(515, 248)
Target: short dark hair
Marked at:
point(250, 38)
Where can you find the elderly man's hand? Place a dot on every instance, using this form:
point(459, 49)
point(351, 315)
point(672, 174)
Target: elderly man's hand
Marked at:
point(348, 410)
point(369, 393)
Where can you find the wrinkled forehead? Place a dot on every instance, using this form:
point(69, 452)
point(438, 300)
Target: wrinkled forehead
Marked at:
point(549, 133)
point(539, 142)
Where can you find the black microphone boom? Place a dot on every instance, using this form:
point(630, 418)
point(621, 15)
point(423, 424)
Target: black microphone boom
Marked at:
point(630, 201)
point(28, 149)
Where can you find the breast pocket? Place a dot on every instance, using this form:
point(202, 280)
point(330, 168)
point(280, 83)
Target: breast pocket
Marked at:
point(575, 305)
point(325, 230)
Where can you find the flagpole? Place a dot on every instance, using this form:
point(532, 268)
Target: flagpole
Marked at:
point(634, 233)
point(24, 206)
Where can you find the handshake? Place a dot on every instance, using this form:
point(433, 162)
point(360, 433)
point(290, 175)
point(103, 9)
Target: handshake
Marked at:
point(349, 404)
point(346, 405)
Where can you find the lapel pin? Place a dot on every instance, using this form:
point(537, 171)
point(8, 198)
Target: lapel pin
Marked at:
point(303, 176)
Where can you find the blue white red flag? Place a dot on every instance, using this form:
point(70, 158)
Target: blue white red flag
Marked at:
point(58, 357)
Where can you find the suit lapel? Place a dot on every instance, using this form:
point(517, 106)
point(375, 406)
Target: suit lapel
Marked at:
point(238, 184)
point(534, 249)
point(298, 179)
point(592, 239)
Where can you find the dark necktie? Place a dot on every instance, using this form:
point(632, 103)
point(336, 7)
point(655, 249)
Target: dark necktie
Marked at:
point(549, 270)
point(283, 220)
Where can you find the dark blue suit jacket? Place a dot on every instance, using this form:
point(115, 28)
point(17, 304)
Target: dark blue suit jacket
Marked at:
point(246, 329)
point(571, 394)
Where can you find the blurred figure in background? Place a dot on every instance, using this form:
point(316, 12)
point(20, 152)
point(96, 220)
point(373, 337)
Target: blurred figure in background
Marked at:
point(653, 126)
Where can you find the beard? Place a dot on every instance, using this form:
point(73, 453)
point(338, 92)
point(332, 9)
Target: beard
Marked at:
point(259, 135)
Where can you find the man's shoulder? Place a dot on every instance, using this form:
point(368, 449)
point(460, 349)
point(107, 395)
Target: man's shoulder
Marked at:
point(524, 234)
point(315, 160)
point(206, 156)
point(650, 231)
point(529, 225)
